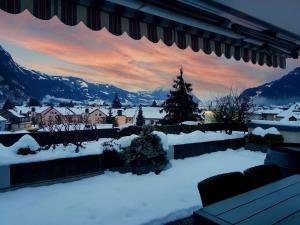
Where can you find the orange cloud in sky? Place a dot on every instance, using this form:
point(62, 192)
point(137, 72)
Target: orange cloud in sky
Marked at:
point(134, 65)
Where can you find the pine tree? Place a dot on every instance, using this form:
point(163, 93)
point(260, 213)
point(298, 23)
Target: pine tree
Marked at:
point(33, 102)
point(116, 104)
point(8, 105)
point(110, 119)
point(179, 105)
point(140, 121)
point(154, 104)
point(71, 104)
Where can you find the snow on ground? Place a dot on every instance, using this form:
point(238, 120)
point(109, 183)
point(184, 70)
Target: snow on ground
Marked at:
point(263, 132)
point(8, 154)
point(123, 199)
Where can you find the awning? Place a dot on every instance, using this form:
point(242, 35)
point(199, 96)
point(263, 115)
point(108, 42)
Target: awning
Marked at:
point(177, 21)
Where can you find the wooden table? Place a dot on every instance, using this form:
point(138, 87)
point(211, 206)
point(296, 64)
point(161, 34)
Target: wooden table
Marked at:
point(275, 203)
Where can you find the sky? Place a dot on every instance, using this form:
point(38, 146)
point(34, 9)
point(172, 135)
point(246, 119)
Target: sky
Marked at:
point(98, 56)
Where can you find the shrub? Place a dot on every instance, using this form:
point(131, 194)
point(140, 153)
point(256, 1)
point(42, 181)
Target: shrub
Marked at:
point(146, 150)
point(129, 131)
point(273, 139)
point(25, 151)
point(268, 139)
point(111, 157)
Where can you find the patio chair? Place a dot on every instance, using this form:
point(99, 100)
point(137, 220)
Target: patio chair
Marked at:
point(258, 176)
point(221, 186)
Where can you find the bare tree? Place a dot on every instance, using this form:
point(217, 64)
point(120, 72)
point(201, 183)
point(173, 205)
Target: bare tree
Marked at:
point(232, 110)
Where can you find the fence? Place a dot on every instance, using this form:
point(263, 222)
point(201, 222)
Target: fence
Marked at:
point(31, 173)
point(46, 138)
point(196, 149)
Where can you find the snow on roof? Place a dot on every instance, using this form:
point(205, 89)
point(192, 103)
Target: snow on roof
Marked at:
point(27, 109)
point(277, 123)
point(15, 113)
point(288, 112)
point(153, 113)
point(64, 111)
point(274, 111)
point(130, 112)
point(22, 109)
point(2, 119)
point(41, 109)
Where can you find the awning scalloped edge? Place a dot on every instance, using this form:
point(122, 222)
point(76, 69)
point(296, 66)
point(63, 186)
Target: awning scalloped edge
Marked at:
point(168, 32)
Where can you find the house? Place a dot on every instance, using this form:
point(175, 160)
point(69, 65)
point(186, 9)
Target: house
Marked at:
point(67, 115)
point(92, 115)
point(48, 116)
point(3, 122)
point(15, 121)
point(152, 115)
point(122, 115)
point(292, 113)
point(265, 114)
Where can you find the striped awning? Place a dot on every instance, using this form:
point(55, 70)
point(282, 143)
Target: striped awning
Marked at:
point(138, 20)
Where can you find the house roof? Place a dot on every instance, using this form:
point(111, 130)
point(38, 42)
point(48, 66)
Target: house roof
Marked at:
point(2, 119)
point(64, 111)
point(153, 113)
point(290, 111)
point(231, 28)
point(16, 114)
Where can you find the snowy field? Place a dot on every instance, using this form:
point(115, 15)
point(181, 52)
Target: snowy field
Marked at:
point(8, 155)
point(123, 199)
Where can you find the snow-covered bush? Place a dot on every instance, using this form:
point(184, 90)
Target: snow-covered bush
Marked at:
point(146, 150)
point(111, 157)
point(270, 136)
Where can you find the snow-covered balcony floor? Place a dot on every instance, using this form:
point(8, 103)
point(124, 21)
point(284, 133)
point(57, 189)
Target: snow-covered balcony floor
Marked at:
point(121, 199)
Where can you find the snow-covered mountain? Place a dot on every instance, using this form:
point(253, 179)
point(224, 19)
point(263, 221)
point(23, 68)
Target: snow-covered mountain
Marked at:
point(281, 91)
point(18, 84)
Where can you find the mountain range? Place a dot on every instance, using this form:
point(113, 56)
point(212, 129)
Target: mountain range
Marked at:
point(281, 91)
point(19, 84)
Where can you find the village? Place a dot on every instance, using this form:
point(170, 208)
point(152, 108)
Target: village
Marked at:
point(38, 118)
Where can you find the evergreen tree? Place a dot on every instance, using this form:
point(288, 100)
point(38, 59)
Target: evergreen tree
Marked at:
point(154, 104)
point(140, 121)
point(110, 119)
point(33, 102)
point(179, 105)
point(8, 105)
point(71, 104)
point(116, 104)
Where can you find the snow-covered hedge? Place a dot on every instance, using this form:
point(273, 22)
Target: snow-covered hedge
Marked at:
point(8, 155)
point(270, 136)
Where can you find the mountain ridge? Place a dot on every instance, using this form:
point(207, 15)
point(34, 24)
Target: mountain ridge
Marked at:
point(281, 91)
point(18, 83)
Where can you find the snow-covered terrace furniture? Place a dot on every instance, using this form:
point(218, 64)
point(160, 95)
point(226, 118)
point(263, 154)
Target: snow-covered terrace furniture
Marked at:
point(230, 28)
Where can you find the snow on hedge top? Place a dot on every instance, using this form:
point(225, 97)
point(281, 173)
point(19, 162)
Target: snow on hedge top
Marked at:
point(190, 123)
point(263, 132)
point(195, 137)
point(25, 141)
point(8, 154)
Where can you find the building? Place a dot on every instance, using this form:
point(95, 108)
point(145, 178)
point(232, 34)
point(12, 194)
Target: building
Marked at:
point(152, 115)
point(15, 121)
point(3, 122)
point(91, 115)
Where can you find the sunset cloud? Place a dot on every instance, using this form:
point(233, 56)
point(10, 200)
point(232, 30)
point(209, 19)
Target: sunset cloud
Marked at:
point(53, 48)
